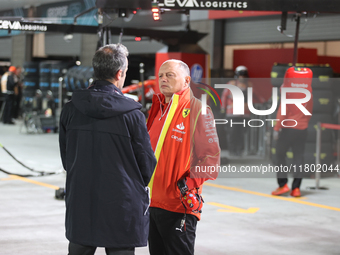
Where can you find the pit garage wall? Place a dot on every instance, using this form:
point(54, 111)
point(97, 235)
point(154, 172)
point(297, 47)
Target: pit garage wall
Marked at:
point(55, 45)
point(6, 48)
point(262, 33)
point(16, 49)
point(328, 52)
point(251, 32)
point(20, 48)
point(83, 46)
point(88, 47)
point(265, 29)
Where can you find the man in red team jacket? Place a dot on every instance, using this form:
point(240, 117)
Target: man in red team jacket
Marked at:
point(183, 140)
point(294, 135)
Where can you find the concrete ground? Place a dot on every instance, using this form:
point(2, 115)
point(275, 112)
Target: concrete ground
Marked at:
point(240, 217)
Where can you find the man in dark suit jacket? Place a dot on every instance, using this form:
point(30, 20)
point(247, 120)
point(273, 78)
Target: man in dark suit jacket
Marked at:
point(106, 152)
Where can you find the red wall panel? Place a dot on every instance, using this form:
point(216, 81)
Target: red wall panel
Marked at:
point(260, 62)
point(334, 62)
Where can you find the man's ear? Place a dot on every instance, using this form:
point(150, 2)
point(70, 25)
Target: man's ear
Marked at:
point(187, 80)
point(118, 75)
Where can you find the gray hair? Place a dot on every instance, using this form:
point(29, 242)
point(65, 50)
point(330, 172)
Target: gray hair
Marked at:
point(183, 66)
point(108, 60)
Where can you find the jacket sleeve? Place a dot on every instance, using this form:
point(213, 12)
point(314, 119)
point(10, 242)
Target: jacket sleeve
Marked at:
point(10, 83)
point(141, 145)
point(62, 136)
point(205, 158)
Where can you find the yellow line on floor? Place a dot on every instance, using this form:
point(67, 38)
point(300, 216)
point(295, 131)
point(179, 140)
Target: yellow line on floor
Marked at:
point(233, 209)
point(15, 177)
point(295, 200)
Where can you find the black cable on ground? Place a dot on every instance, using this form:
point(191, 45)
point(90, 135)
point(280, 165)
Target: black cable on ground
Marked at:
point(30, 175)
point(40, 173)
point(21, 175)
point(59, 193)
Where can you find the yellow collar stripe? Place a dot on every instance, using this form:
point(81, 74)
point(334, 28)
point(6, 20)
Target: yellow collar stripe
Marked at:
point(162, 136)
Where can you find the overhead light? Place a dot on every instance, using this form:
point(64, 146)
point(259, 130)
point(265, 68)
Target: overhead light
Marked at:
point(68, 37)
point(122, 13)
point(156, 14)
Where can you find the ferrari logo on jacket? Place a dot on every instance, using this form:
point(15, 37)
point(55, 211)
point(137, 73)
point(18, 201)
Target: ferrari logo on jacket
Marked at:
point(185, 112)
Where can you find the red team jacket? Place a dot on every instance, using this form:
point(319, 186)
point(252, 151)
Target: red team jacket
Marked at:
point(183, 141)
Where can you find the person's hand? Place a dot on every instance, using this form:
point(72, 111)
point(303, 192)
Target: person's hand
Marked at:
point(182, 186)
point(275, 135)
